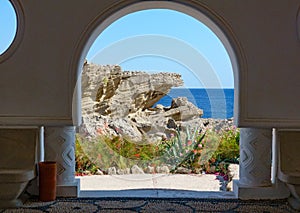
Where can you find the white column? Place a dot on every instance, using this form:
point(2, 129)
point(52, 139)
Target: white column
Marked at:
point(41, 147)
point(60, 147)
point(255, 166)
point(255, 157)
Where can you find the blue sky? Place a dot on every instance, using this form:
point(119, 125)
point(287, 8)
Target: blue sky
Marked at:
point(176, 30)
point(152, 40)
point(7, 24)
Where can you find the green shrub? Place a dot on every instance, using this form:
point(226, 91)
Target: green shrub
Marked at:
point(193, 148)
point(228, 149)
point(82, 161)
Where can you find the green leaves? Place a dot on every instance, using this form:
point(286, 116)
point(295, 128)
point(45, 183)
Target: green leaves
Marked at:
point(192, 148)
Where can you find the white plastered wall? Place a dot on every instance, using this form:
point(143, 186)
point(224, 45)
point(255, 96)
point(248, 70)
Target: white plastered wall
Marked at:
point(38, 74)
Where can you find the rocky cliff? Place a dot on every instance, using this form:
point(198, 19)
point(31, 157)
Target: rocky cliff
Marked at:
point(117, 102)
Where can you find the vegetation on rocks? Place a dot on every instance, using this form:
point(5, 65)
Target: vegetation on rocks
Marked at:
point(144, 137)
point(197, 150)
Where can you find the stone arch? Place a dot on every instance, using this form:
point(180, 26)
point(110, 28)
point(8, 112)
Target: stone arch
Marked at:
point(192, 8)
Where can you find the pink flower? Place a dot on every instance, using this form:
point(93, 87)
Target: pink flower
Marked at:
point(189, 142)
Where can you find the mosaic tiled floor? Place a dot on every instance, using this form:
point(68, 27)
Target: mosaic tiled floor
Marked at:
point(116, 205)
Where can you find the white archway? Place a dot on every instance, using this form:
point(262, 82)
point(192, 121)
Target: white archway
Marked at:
point(194, 9)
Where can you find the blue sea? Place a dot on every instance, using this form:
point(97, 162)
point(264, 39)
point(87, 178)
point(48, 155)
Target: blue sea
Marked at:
point(215, 103)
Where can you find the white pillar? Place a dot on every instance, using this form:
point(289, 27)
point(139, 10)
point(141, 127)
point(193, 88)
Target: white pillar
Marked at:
point(255, 157)
point(41, 147)
point(255, 166)
point(60, 147)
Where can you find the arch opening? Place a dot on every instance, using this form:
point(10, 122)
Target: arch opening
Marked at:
point(197, 14)
point(196, 10)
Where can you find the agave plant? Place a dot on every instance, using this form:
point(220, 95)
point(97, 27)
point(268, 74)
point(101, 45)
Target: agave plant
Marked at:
point(184, 148)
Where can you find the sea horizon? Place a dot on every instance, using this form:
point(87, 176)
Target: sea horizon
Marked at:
point(215, 102)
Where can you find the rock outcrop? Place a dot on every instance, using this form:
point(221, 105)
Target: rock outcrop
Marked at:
point(117, 102)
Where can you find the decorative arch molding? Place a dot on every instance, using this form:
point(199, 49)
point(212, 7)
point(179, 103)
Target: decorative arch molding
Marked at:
point(50, 52)
point(195, 9)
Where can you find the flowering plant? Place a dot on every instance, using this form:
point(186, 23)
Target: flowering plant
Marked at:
point(197, 149)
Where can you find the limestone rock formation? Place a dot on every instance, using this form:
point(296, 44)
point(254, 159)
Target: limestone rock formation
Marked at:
point(116, 102)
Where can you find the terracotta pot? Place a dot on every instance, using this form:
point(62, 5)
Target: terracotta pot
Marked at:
point(47, 181)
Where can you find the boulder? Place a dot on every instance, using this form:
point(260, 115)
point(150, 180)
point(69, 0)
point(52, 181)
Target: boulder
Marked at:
point(125, 171)
point(233, 171)
point(116, 102)
point(150, 170)
point(136, 170)
point(182, 170)
point(99, 172)
point(112, 171)
point(164, 170)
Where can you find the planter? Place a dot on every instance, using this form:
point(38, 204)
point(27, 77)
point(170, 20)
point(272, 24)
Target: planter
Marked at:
point(47, 181)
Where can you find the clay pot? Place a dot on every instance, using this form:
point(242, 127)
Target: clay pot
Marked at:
point(47, 181)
